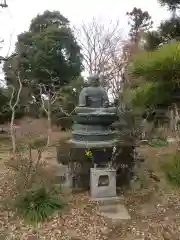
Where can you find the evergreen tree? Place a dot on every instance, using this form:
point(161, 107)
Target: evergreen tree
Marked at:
point(173, 5)
point(47, 54)
point(139, 21)
point(168, 30)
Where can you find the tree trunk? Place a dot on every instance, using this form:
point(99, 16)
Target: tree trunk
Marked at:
point(49, 124)
point(172, 121)
point(12, 132)
point(174, 13)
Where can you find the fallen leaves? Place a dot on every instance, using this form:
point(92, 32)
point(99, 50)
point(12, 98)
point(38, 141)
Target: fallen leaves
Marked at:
point(159, 220)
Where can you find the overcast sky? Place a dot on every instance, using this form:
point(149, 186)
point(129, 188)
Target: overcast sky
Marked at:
point(17, 17)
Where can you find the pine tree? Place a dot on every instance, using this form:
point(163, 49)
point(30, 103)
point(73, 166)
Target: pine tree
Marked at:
point(168, 30)
point(139, 21)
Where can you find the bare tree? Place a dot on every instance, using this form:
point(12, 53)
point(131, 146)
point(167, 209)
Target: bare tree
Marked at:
point(118, 63)
point(14, 98)
point(50, 92)
point(102, 51)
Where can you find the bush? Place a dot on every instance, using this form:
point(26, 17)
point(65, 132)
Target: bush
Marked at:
point(171, 169)
point(34, 193)
point(158, 143)
point(159, 74)
point(37, 204)
point(37, 143)
point(147, 95)
point(61, 120)
point(161, 65)
point(28, 167)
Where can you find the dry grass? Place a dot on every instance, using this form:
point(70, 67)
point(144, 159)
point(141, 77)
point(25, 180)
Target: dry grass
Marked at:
point(32, 128)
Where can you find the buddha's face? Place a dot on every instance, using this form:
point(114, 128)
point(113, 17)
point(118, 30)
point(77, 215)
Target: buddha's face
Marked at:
point(94, 81)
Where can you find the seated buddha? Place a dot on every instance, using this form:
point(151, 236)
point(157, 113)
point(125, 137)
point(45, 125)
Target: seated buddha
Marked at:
point(93, 96)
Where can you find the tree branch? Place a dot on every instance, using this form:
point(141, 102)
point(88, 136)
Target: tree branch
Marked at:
point(13, 106)
point(102, 48)
point(42, 100)
point(4, 4)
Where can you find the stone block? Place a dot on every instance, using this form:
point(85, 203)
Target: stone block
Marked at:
point(102, 182)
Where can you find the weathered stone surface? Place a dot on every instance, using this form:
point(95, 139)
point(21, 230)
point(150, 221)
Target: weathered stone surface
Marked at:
point(93, 118)
point(115, 211)
point(93, 130)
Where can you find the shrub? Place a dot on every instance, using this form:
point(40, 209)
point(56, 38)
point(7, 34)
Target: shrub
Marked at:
point(160, 65)
point(37, 143)
point(159, 70)
point(171, 169)
point(158, 143)
point(147, 95)
point(26, 167)
point(35, 196)
point(61, 120)
point(37, 204)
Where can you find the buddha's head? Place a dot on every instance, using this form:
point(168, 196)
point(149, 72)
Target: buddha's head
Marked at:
point(94, 80)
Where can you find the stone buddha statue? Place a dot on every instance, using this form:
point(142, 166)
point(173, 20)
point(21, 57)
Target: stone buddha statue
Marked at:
point(93, 96)
point(93, 117)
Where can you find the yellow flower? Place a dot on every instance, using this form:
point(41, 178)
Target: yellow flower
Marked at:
point(88, 153)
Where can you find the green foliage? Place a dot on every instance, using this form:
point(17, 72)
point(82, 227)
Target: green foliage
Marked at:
point(47, 54)
point(153, 39)
point(67, 98)
point(160, 71)
point(47, 19)
point(171, 169)
point(68, 95)
point(34, 195)
point(139, 21)
point(38, 143)
point(167, 31)
point(172, 4)
point(140, 96)
point(5, 111)
point(147, 95)
point(161, 65)
point(37, 204)
point(158, 143)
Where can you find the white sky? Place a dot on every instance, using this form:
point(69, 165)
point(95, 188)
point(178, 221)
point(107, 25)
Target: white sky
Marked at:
point(17, 17)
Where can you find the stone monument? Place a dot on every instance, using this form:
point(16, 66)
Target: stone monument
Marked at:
point(93, 130)
point(93, 119)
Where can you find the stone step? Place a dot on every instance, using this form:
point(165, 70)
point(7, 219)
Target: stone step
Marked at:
point(115, 211)
point(109, 200)
point(113, 208)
